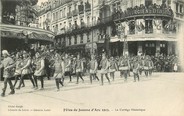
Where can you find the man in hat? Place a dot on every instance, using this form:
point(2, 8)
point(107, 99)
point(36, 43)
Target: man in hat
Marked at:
point(7, 64)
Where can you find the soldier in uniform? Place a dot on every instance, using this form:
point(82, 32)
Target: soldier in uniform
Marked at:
point(136, 67)
point(124, 66)
point(67, 62)
point(7, 64)
point(151, 66)
point(93, 68)
point(104, 64)
point(146, 65)
point(113, 67)
point(141, 62)
point(59, 70)
point(79, 68)
point(18, 66)
point(40, 70)
point(26, 69)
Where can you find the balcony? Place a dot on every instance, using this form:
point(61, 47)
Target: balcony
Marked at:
point(143, 11)
point(104, 20)
point(69, 14)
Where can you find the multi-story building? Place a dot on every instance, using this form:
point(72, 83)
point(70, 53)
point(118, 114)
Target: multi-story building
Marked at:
point(149, 26)
point(18, 26)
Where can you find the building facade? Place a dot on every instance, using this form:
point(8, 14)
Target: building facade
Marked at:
point(19, 27)
point(147, 26)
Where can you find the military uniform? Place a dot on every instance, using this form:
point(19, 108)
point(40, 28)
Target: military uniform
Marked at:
point(7, 64)
point(67, 62)
point(26, 71)
point(79, 69)
point(18, 71)
point(146, 66)
point(93, 69)
point(135, 67)
point(39, 71)
point(59, 72)
point(104, 70)
point(113, 67)
point(124, 66)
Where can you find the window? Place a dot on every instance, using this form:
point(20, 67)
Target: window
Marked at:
point(75, 25)
point(88, 20)
point(181, 9)
point(75, 39)
point(69, 9)
point(53, 16)
point(88, 40)
point(148, 2)
point(81, 41)
point(61, 14)
point(69, 39)
point(56, 15)
point(75, 6)
point(70, 25)
point(53, 28)
point(132, 27)
point(148, 26)
point(64, 12)
point(177, 7)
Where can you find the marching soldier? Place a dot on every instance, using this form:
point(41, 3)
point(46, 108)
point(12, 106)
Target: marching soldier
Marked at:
point(59, 70)
point(104, 68)
point(141, 64)
point(124, 66)
point(79, 68)
point(151, 66)
point(113, 67)
point(40, 70)
point(26, 69)
point(7, 64)
point(18, 66)
point(93, 68)
point(136, 67)
point(146, 65)
point(67, 62)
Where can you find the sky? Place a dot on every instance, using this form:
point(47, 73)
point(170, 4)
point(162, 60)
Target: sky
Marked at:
point(40, 1)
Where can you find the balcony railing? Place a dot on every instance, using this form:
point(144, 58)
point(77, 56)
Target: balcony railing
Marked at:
point(104, 20)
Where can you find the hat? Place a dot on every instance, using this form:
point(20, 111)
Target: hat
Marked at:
point(5, 52)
